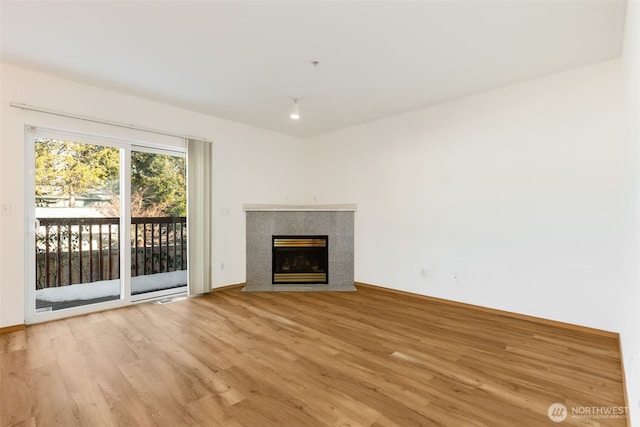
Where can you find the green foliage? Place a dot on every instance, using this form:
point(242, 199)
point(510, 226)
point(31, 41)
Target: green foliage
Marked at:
point(158, 185)
point(68, 169)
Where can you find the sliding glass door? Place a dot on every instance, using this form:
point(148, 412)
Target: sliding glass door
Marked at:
point(77, 223)
point(106, 221)
point(158, 223)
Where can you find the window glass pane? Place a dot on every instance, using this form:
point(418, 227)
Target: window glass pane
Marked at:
point(77, 190)
point(158, 223)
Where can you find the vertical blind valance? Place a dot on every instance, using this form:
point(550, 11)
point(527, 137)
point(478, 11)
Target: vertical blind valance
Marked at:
point(199, 215)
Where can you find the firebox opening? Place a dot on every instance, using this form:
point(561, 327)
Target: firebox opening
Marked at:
point(300, 259)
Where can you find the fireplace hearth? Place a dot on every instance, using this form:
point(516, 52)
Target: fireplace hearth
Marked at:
point(300, 259)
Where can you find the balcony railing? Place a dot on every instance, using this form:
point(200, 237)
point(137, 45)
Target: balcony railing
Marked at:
point(83, 250)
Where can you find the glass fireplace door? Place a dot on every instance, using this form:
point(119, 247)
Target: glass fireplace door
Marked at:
point(300, 259)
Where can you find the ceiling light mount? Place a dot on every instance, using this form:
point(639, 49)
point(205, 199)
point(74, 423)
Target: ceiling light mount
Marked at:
point(295, 112)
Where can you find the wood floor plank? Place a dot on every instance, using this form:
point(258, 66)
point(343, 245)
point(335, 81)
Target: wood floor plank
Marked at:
point(16, 404)
point(366, 358)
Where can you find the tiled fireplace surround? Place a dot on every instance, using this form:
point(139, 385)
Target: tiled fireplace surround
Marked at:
point(265, 221)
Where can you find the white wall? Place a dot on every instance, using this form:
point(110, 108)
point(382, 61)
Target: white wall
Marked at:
point(521, 192)
point(630, 298)
point(246, 164)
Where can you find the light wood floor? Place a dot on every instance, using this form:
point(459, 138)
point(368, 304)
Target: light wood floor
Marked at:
point(366, 358)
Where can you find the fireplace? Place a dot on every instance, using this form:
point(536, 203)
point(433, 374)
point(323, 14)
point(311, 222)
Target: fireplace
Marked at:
point(333, 224)
point(300, 259)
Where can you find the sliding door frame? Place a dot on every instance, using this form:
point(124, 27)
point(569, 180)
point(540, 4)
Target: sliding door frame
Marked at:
point(125, 146)
point(162, 151)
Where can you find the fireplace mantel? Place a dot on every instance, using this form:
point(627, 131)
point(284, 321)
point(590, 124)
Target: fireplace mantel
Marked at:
point(343, 207)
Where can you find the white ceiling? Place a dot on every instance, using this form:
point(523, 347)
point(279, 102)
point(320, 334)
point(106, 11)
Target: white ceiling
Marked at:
point(243, 60)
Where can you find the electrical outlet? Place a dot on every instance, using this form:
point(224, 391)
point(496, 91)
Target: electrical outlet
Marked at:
point(222, 266)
